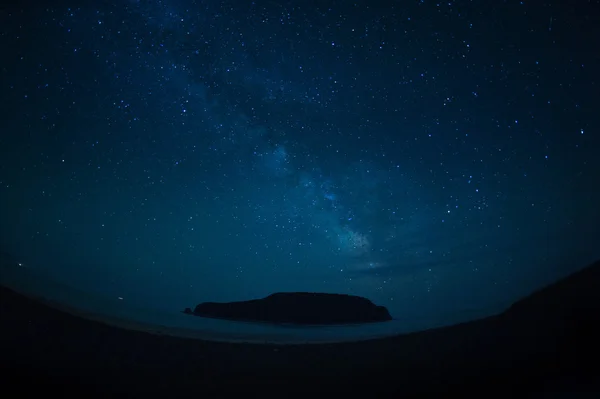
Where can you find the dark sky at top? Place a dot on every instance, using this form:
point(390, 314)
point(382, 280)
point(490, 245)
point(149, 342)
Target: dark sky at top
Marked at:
point(431, 156)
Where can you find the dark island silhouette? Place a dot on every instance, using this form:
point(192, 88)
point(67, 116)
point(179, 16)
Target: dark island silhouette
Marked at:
point(303, 308)
point(545, 344)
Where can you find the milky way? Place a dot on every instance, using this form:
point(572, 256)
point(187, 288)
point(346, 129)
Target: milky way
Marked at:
point(426, 157)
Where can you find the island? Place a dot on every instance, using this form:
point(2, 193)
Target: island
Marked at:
point(303, 308)
point(545, 343)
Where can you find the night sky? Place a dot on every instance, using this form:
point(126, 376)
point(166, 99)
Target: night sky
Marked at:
point(434, 157)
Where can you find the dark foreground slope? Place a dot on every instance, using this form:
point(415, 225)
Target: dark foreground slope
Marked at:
point(545, 343)
point(304, 308)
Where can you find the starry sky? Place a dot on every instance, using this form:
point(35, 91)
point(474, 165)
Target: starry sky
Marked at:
point(434, 157)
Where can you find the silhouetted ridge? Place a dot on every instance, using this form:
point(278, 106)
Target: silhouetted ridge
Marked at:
point(576, 296)
point(547, 342)
point(297, 308)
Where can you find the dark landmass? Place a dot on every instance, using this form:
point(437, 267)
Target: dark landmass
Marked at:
point(546, 343)
point(304, 308)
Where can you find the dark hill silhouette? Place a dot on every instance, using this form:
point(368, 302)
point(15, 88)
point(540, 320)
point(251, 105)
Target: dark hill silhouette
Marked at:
point(569, 298)
point(305, 308)
point(545, 343)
